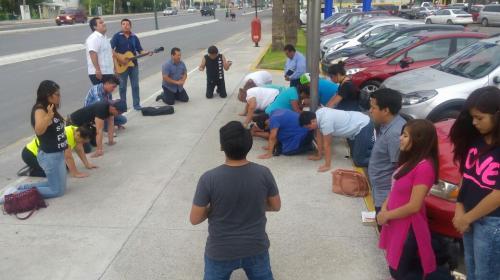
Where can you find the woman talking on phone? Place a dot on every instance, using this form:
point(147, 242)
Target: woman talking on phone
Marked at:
point(49, 128)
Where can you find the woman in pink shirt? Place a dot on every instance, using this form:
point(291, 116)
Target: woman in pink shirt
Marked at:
point(405, 233)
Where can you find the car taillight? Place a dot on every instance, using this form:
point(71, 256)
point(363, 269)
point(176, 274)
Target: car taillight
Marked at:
point(445, 190)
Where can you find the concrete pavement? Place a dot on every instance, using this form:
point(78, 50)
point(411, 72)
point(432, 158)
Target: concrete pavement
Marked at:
point(129, 220)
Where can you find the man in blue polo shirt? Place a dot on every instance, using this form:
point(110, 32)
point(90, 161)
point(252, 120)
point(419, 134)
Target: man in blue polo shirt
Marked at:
point(295, 65)
point(122, 42)
point(174, 73)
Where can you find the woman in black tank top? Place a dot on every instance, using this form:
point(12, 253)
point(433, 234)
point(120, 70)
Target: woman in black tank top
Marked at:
point(49, 128)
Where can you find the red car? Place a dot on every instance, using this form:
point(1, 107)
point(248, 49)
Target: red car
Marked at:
point(368, 71)
point(71, 16)
point(440, 203)
point(343, 22)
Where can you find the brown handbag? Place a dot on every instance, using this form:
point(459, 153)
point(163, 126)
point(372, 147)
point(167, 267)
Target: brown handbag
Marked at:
point(29, 200)
point(350, 183)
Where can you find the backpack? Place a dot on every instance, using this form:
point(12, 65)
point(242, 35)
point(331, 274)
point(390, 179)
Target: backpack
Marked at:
point(157, 111)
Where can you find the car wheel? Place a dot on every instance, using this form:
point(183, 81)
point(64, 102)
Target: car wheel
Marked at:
point(449, 21)
point(445, 115)
point(371, 86)
point(58, 23)
point(428, 21)
point(484, 22)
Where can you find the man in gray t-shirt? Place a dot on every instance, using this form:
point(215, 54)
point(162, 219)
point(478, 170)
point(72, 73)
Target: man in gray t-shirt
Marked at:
point(235, 197)
point(384, 108)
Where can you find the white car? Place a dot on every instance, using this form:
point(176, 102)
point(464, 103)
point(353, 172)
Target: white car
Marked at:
point(361, 34)
point(191, 10)
point(450, 16)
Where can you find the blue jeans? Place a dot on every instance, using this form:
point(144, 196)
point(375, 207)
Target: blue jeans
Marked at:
point(362, 145)
point(119, 121)
point(133, 73)
point(256, 267)
point(55, 168)
point(482, 249)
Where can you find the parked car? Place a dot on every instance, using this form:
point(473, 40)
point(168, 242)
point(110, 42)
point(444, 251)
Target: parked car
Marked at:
point(475, 10)
point(459, 6)
point(490, 15)
point(450, 16)
point(440, 203)
point(191, 10)
point(71, 16)
point(364, 32)
point(438, 92)
point(392, 9)
point(424, 49)
point(375, 43)
point(422, 12)
point(330, 20)
point(170, 11)
point(207, 11)
point(349, 19)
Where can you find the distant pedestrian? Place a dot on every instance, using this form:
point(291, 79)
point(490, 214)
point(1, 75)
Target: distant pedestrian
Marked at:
point(235, 197)
point(174, 73)
point(99, 52)
point(348, 94)
point(384, 109)
point(232, 11)
point(215, 64)
point(405, 236)
point(123, 42)
point(295, 65)
point(476, 139)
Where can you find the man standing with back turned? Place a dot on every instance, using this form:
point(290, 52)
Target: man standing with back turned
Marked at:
point(235, 197)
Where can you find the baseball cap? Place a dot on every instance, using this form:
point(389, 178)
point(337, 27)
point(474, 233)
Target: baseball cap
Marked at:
point(305, 78)
point(120, 105)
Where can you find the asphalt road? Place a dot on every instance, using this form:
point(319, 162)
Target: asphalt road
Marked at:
point(19, 81)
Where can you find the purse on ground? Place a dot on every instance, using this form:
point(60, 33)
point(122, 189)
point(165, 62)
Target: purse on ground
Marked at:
point(349, 183)
point(29, 200)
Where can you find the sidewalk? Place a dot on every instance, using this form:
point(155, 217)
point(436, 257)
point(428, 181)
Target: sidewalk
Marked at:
point(129, 220)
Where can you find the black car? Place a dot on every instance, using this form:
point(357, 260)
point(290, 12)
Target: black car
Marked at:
point(207, 11)
point(383, 39)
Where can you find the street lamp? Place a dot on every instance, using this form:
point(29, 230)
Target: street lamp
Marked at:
point(156, 16)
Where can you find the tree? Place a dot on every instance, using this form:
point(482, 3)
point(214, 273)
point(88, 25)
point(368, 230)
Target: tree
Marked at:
point(291, 21)
point(278, 26)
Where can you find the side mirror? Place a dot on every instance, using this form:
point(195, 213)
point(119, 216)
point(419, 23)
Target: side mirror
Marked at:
point(405, 62)
point(496, 80)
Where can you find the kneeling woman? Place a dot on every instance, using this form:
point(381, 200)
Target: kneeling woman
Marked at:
point(76, 137)
point(405, 233)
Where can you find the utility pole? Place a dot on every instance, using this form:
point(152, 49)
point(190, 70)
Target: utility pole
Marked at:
point(114, 7)
point(313, 30)
point(90, 7)
point(156, 15)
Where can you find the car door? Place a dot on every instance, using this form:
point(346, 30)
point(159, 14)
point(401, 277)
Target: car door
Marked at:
point(426, 54)
point(495, 14)
point(445, 16)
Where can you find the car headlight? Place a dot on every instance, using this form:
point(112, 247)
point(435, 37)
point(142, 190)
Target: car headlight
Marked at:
point(418, 97)
point(445, 190)
point(353, 71)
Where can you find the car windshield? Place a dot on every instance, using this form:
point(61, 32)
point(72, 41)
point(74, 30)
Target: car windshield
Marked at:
point(355, 26)
point(459, 12)
point(357, 31)
point(473, 62)
point(395, 46)
point(332, 18)
point(379, 40)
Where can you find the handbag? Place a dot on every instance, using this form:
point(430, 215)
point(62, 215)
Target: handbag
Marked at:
point(350, 183)
point(29, 200)
point(157, 111)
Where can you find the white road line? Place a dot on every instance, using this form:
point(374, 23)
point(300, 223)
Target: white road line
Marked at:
point(239, 41)
point(259, 11)
point(31, 55)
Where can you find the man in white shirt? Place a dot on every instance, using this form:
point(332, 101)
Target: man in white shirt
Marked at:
point(256, 79)
point(355, 126)
point(99, 52)
point(256, 98)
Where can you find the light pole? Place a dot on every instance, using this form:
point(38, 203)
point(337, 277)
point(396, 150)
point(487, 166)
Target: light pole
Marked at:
point(156, 16)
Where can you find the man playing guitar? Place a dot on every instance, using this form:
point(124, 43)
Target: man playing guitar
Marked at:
point(121, 43)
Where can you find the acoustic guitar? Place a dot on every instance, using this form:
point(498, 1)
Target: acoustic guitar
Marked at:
point(129, 58)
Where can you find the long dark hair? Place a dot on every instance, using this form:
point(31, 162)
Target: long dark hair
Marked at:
point(424, 145)
point(463, 133)
point(45, 90)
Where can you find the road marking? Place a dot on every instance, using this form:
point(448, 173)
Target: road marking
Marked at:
point(250, 13)
point(31, 55)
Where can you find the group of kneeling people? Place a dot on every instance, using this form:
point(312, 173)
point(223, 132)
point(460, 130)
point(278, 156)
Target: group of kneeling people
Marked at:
point(49, 154)
point(402, 161)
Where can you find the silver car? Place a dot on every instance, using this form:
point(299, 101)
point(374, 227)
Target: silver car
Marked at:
point(439, 92)
point(490, 15)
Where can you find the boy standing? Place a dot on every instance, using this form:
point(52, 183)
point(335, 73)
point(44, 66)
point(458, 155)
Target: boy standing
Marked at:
point(235, 197)
point(215, 63)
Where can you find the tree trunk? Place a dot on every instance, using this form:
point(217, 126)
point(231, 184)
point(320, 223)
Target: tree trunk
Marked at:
point(278, 26)
point(291, 22)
